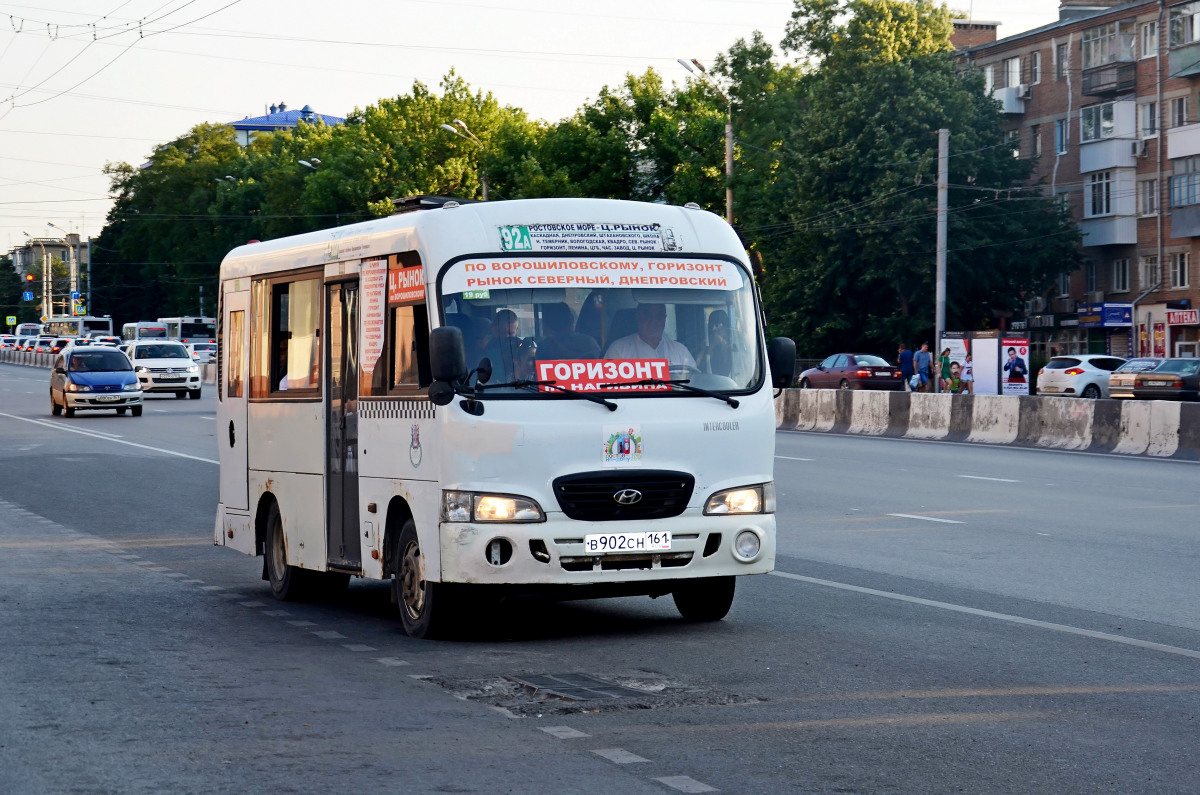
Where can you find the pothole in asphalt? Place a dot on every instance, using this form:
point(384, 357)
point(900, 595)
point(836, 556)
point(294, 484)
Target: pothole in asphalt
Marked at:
point(526, 695)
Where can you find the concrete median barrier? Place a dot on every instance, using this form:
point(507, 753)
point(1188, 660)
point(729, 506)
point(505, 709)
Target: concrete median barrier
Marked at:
point(1159, 429)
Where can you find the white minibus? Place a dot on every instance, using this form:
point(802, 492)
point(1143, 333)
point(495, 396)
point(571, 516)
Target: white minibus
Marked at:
point(144, 330)
point(572, 397)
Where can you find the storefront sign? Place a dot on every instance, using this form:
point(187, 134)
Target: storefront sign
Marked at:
point(1183, 317)
point(1105, 315)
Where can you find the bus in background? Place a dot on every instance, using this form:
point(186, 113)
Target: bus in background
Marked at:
point(571, 397)
point(143, 330)
point(190, 329)
point(84, 326)
point(28, 330)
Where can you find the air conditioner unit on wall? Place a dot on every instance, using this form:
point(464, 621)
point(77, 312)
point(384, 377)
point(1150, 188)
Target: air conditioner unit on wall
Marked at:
point(1036, 306)
point(1138, 148)
point(1024, 91)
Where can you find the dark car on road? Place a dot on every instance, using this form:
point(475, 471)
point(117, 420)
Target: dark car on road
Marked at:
point(852, 371)
point(1173, 379)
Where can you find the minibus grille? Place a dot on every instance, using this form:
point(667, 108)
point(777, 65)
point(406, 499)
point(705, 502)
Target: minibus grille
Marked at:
point(592, 496)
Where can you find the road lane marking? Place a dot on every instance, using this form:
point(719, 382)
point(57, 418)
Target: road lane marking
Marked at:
point(974, 611)
point(326, 634)
point(685, 784)
point(925, 518)
point(390, 662)
point(619, 755)
point(791, 458)
point(358, 647)
point(997, 480)
point(563, 732)
point(108, 438)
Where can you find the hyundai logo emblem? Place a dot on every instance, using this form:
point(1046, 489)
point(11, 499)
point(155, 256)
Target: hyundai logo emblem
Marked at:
point(628, 496)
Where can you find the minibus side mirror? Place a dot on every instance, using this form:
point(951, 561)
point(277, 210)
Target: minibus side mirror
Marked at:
point(781, 357)
point(447, 355)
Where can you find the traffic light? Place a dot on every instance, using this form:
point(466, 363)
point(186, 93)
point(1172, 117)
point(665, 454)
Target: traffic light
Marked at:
point(29, 277)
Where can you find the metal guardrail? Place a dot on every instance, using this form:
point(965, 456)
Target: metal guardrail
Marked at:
point(27, 358)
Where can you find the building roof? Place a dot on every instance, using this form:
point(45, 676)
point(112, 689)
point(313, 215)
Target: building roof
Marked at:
point(280, 118)
point(1085, 12)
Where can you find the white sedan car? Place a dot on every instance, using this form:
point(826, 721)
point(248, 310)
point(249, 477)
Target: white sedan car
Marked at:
point(1077, 375)
point(164, 366)
point(202, 352)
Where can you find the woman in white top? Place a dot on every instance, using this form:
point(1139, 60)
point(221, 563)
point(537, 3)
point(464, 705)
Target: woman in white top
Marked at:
point(967, 377)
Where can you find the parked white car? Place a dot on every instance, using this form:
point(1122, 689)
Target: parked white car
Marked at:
point(1078, 375)
point(202, 352)
point(164, 366)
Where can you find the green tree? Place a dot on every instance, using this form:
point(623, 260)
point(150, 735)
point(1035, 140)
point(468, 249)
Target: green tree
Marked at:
point(853, 238)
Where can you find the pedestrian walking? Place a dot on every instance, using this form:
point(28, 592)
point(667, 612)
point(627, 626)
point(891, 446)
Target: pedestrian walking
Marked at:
point(968, 376)
point(905, 361)
point(922, 362)
point(944, 370)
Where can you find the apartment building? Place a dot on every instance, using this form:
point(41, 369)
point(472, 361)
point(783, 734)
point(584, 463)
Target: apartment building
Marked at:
point(1107, 101)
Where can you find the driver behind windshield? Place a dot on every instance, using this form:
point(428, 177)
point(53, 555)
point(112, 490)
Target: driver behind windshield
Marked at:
point(649, 342)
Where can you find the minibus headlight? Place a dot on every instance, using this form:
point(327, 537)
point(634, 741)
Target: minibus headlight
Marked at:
point(467, 506)
point(747, 499)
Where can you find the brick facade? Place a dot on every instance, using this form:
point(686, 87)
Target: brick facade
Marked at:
point(1081, 96)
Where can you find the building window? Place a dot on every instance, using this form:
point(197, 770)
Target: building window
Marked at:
point(1061, 134)
point(989, 78)
point(1184, 24)
point(1035, 139)
point(1106, 44)
point(1149, 274)
point(1148, 120)
point(1099, 194)
point(1096, 122)
point(1089, 277)
point(1012, 72)
point(1013, 138)
point(1148, 197)
point(1060, 61)
point(1149, 39)
point(1035, 68)
point(1064, 285)
point(1179, 268)
point(1185, 189)
point(1120, 275)
point(1179, 114)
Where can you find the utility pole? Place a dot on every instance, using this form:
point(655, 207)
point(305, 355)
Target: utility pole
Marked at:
point(943, 179)
point(703, 73)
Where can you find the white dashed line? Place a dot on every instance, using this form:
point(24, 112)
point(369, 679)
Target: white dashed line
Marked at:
point(328, 634)
point(791, 458)
point(212, 588)
point(685, 784)
point(157, 568)
point(303, 623)
point(563, 732)
point(358, 647)
point(619, 755)
point(251, 604)
point(276, 613)
point(997, 480)
point(107, 437)
point(390, 662)
point(925, 518)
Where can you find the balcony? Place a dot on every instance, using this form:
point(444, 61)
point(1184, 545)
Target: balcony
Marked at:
point(1112, 78)
point(1108, 153)
point(1012, 98)
point(1109, 230)
point(1183, 141)
point(1184, 61)
point(1185, 221)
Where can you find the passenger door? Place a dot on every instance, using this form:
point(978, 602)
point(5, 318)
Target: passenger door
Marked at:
point(233, 377)
point(341, 426)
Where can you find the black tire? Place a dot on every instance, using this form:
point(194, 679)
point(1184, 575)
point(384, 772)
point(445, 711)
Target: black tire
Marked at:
point(136, 411)
point(69, 411)
point(426, 609)
point(288, 583)
point(1091, 392)
point(844, 385)
point(194, 394)
point(805, 383)
point(121, 412)
point(705, 599)
point(55, 409)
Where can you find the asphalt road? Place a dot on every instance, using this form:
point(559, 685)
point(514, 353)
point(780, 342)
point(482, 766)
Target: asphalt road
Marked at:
point(943, 618)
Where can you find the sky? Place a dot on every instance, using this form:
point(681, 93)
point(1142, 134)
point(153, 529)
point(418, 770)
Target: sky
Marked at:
point(88, 82)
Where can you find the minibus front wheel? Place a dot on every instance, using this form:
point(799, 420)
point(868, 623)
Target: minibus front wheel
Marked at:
point(288, 583)
point(704, 599)
point(424, 605)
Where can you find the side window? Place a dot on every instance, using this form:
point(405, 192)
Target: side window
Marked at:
point(295, 342)
point(829, 362)
point(235, 358)
point(403, 365)
point(842, 360)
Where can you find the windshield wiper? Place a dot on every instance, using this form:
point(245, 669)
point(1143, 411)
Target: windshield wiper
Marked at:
point(682, 383)
point(608, 404)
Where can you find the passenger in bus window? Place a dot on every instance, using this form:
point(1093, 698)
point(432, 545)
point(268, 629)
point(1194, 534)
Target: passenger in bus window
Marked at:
point(561, 341)
point(717, 357)
point(505, 344)
point(649, 342)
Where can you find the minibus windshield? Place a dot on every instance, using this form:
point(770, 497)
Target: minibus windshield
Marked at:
point(606, 326)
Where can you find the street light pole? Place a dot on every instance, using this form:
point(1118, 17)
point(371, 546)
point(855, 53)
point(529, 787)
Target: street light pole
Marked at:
point(47, 308)
point(697, 68)
point(72, 263)
point(470, 136)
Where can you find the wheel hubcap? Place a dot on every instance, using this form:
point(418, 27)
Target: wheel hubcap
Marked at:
point(412, 581)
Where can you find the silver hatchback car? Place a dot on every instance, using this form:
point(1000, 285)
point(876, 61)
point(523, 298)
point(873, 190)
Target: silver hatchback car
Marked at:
point(1078, 375)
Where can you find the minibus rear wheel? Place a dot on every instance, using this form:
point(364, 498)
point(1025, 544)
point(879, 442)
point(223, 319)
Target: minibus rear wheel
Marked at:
point(424, 605)
point(288, 583)
point(705, 599)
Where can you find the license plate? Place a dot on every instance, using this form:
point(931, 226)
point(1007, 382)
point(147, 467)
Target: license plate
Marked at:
point(884, 375)
point(169, 380)
point(604, 543)
point(1049, 389)
point(108, 398)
